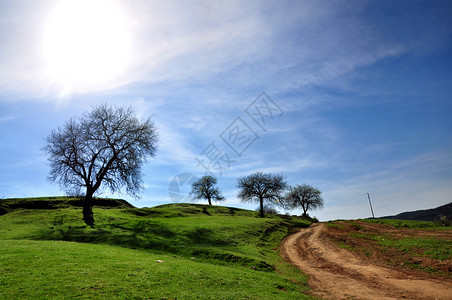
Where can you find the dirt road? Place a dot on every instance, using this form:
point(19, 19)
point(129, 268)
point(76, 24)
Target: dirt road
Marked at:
point(336, 273)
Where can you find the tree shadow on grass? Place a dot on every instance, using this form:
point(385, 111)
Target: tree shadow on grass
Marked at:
point(145, 235)
point(154, 237)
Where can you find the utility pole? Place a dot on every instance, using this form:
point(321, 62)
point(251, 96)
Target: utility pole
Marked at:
point(370, 203)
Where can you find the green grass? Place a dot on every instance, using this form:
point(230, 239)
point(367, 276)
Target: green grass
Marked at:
point(434, 248)
point(47, 269)
point(334, 224)
point(408, 224)
point(209, 252)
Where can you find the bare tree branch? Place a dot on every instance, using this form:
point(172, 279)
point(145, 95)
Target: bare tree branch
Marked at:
point(260, 187)
point(304, 196)
point(205, 188)
point(104, 149)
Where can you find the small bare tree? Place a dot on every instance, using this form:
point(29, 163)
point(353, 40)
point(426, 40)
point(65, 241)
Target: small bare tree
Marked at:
point(205, 188)
point(304, 196)
point(260, 187)
point(103, 149)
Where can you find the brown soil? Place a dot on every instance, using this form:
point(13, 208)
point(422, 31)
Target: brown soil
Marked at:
point(367, 271)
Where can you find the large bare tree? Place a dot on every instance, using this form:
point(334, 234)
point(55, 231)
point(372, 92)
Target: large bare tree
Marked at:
point(205, 188)
point(103, 149)
point(304, 196)
point(260, 187)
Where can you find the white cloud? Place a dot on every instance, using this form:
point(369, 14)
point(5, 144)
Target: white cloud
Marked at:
point(174, 148)
point(196, 66)
point(255, 43)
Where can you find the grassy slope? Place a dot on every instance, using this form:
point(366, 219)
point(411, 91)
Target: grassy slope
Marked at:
point(209, 252)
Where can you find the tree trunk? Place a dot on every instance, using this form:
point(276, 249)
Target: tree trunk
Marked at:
point(262, 207)
point(88, 215)
point(305, 208)
point(210, 202)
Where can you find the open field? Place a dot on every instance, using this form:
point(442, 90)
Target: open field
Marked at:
point(410, 245)
point(207, 251)
point(187, 251)
point(374, 259)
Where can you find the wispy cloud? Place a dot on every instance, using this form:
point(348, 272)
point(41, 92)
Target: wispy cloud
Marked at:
point(221, 37)
point(5, 119)
point(364, 93)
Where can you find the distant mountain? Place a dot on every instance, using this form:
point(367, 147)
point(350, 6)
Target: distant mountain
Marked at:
point(425, 215)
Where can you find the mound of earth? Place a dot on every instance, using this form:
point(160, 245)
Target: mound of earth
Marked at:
point(11, 204)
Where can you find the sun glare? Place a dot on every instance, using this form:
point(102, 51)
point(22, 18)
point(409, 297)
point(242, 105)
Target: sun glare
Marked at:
point(86, 43)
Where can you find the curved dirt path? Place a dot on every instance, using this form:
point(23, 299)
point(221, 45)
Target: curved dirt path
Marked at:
point(336, 273)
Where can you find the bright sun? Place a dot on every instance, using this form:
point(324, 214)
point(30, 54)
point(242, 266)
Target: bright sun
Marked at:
point(86, 43)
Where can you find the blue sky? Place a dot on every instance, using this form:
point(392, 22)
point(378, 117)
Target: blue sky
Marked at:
point(358, 93)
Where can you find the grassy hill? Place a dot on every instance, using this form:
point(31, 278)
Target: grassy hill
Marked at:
point(171, 251)
point(425, 214)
